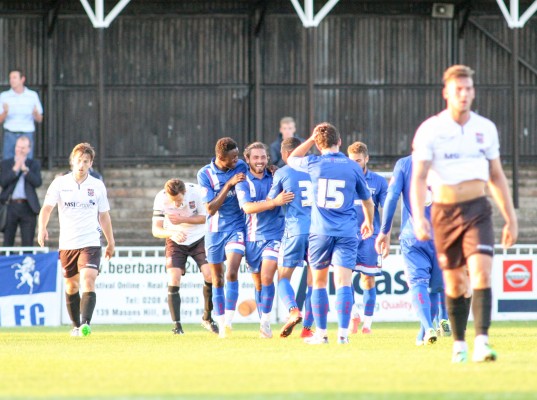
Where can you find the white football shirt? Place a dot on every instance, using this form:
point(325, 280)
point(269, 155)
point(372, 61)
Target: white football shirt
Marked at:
point(191, 207)
point(458, 153)
point(78, 209)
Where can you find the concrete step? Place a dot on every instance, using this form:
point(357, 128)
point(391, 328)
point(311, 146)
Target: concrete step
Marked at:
point(132, 191)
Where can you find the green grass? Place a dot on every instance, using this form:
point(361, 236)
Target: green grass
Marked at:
point(146, 361)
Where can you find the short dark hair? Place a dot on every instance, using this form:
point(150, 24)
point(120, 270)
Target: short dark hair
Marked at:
point(174, 186)
point(254, 145)
point(224, 145)
point(82, 148)
point(290, 144)
point(358, 148)
point(327, 135)
point(19, 70)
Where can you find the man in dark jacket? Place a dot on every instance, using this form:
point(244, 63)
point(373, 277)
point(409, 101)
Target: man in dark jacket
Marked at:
point(19, 178)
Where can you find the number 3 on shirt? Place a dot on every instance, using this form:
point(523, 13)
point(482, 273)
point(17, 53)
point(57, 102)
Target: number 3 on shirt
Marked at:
point(327, 189)
point(306, 193)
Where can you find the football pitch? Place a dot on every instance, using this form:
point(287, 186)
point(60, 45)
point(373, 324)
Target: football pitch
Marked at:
point(147, 361)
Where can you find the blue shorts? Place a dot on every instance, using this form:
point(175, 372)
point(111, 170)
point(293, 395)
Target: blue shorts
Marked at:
point(217, 244)
point(421, 264)
point(332, 250)
point(293, 251)
point(261, 250)
point(368, 261)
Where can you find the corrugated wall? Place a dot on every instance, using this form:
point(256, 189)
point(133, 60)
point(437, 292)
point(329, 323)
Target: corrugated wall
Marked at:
point(175, 83)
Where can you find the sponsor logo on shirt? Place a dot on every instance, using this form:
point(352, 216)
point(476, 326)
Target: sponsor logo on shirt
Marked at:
point(452, 156)
point(78, 204)
point(192, 205)
point(480, 137)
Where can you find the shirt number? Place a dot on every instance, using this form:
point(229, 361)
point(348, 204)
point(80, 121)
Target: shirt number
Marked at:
point(306, 193)
point(328, 195)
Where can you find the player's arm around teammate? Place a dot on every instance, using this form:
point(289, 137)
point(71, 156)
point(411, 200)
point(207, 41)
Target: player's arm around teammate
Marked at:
point(337, 183)
point(264, 228)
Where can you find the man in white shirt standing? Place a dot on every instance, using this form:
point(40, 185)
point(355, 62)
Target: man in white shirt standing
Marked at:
point(83, 211)
point(457, 153)
point(20, 109)
point(179, 217)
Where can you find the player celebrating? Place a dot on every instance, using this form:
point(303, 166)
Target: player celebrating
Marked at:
point(458, 151)
point(337, 183)
point(83, 211)
point(421, 268)
point(179, 217)
point(264, 228)
point(367, 262)
point(294, 245)
point(224, 239)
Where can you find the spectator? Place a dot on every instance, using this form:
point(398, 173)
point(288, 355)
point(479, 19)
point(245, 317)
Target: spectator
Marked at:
point(287, 130)
point(19, 178)
point(20, 108)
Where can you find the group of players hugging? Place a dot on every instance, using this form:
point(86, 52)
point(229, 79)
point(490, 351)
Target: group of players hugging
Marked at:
point(265, 214)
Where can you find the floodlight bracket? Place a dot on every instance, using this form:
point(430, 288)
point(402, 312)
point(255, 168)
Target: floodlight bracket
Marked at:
point(97, 17)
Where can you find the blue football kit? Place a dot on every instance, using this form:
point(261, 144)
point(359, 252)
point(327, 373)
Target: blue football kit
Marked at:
point(338, 182)
point(295, 240)
point(422, 271)
point(367, 260)
point(265, 227)
point(225, 229)
point(293, 250)
point(264, 231)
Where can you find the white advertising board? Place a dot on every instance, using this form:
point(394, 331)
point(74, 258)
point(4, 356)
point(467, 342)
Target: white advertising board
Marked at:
point(132, 288)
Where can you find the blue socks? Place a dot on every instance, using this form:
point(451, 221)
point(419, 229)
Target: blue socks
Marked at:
point(232, 294)
point(287, 294)
point(258, 301)
point(442, 313)
point(343, 306)
point(435, 298)
point(370, 298)
point(308, 314)
point(218, 300)
point(319, 306)
point(422, 304)
point(267, 298)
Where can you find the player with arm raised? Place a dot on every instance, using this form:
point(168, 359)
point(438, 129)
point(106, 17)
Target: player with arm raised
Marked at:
point(337, 183)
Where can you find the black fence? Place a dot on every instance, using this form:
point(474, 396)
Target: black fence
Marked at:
point(179, 75)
